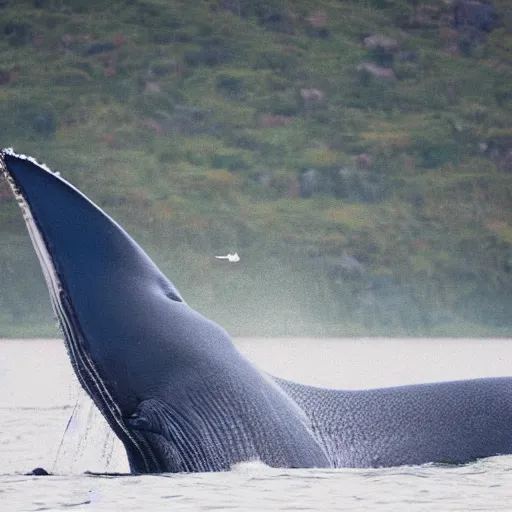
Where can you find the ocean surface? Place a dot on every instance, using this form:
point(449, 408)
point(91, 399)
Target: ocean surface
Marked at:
point(47, 421)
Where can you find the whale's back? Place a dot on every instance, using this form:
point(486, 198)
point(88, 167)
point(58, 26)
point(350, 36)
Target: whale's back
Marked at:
point(448, 422)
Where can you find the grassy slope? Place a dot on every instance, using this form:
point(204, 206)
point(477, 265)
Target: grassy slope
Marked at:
point(187, 125)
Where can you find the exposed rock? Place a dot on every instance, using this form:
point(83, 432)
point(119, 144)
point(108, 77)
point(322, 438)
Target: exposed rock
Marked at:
point(265, 180)
point(310, 181)
point(272, 120)
point(360, 186)
point(351, 264)
point(281, 185)
point(317, 19)
point(408, 56)
point(482, 147)
point(289, 48)
point(109, 140)
point(476, 15)
point(317, 22)
point(68, 39)
point(380, 41)
point(119, 40)
point(343, 267)
point(109, 71)
point(311, 96)
point(345, 183)
point(420, 245)
point(293, 188)
point(425, 15)
point(364, 161)
point(152, 88)
point(382, 47)
point(374, 71)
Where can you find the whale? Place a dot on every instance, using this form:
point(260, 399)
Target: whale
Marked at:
point(169, 382)
point(178, 394)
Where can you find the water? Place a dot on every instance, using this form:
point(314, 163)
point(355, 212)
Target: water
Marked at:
point(40, 395)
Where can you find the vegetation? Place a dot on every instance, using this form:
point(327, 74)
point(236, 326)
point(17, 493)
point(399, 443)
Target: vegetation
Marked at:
point(356, 154)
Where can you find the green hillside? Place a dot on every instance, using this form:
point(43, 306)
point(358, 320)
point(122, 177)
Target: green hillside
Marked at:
point(356, 154)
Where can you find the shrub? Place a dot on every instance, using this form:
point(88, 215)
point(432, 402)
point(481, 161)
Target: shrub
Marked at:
point(232, 86)
point(17, 33)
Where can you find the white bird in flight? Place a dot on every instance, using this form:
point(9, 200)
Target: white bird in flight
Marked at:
point(232, 258)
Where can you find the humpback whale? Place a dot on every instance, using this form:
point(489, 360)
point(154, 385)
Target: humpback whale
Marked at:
point(178, 394)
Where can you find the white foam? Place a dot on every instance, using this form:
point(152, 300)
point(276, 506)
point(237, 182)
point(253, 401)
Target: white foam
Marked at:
point(11, 152)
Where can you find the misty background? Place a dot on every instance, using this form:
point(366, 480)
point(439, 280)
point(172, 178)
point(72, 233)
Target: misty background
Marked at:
point(356, 154)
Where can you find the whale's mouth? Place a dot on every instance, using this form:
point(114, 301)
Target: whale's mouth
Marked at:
point(140, 455)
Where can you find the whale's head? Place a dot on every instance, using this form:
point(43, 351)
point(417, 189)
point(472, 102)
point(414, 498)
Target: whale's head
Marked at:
point(110, 300)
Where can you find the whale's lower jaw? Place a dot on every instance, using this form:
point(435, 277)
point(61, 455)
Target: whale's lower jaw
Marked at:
point(84, 367)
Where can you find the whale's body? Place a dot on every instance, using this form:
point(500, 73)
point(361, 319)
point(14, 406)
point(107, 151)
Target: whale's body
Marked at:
point(447, 422)
point(178, 394)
